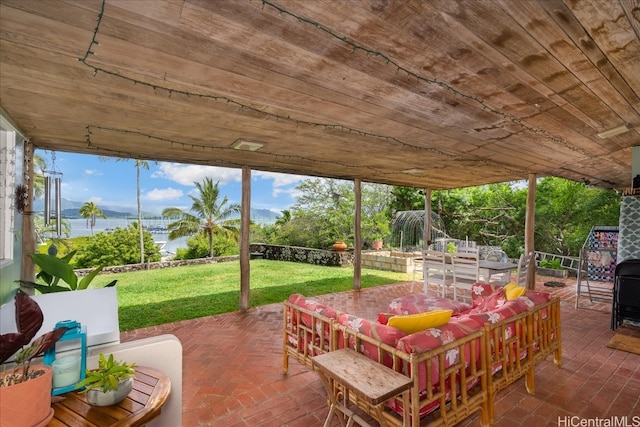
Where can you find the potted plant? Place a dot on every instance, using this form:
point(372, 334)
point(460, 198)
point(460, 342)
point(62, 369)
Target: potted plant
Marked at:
point(339, 246)
point(552, 268)
point(110, 383)
point(25, 391)
point(377, 241)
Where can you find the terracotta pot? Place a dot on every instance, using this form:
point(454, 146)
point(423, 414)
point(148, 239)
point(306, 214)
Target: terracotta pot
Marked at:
point(339, 246)
point(28, 403)
point(377, 245)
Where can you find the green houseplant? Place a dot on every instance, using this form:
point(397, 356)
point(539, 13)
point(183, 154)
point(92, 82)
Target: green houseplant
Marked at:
point(25, 392)
point(53, 270)
point(110, 383)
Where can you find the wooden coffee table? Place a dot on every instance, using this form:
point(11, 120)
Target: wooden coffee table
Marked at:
point(151, 388)
point(355, 373)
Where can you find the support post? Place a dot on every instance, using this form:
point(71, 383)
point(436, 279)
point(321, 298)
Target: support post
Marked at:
point(27, 268)
point(357, 239)
point(427, 219)
point(529, 228)
point(245, 224)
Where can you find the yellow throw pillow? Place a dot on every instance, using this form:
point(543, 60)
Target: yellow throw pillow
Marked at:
point(509, 287)
point(419, 322)
point(514, 291)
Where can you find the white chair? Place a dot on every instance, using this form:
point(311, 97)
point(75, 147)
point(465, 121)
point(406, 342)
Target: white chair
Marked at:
point(466, 272)
point(523, 269)
point(436, 271)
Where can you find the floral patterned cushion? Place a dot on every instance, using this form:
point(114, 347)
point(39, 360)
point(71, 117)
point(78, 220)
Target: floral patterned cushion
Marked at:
point(420, 303)
point(312, 305)
point(379, 332)
point(536, 297)
point(495, 300)
point(317, 307)
point(480, 292)
point(503, 310)
point(434, 338)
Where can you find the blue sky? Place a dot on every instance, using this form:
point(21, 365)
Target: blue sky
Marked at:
point(111, 183)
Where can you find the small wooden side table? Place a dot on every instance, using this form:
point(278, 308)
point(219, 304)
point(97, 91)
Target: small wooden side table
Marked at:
point(367, 379)
point(151, 388)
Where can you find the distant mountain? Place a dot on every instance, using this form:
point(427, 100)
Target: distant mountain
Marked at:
point(70, 210)
point(75, 213)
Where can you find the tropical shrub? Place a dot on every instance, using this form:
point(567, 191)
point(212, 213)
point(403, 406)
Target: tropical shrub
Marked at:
point(118, 247)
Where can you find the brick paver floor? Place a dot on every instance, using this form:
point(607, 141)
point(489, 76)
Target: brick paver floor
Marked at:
point(233, 362)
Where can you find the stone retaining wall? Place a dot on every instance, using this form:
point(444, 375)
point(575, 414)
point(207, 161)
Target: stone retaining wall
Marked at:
point(299, 254)
point(379, 260)
point(161, 264)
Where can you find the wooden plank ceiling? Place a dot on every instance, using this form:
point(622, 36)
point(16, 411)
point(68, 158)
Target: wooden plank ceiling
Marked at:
point(439, 93)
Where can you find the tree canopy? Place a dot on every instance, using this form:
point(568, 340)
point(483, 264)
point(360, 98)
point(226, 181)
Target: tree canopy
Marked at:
point(208, 215)
point(90, 211)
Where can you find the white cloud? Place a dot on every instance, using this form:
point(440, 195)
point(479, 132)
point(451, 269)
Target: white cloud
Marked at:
point(281, 181)
point(163, 194)
point(95, 200)
point(188, 174)
point(92, 172)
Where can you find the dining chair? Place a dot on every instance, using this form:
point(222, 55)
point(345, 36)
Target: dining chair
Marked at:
point(466, 272)
point(523, 269)
point(436, 269)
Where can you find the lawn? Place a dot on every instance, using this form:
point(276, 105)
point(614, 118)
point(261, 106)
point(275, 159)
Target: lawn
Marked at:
point(153, 297)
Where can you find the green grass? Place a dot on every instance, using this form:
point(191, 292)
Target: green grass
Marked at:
point(153, 297)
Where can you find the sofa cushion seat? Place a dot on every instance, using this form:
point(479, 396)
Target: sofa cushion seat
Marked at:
point(383, 333)
point(433, 338)
point(503, 310)
point(420, 303)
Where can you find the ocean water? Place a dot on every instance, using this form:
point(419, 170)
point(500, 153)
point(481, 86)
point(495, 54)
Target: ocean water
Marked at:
point(79, 228)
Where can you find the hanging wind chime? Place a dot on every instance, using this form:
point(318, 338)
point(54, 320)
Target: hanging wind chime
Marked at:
point(53, 178)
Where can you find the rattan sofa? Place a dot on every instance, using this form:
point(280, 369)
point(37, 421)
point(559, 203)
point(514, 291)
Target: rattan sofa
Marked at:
point(476, 354)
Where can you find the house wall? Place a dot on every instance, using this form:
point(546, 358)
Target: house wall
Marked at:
point(11, 175)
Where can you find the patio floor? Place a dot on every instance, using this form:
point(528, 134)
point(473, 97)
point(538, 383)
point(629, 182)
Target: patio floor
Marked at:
point(233, 362)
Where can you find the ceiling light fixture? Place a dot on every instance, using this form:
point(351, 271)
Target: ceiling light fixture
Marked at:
point(413, 171)
point(245, 145)
point(615, 131)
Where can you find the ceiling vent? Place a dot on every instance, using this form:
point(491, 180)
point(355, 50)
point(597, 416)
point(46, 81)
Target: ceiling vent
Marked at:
point(245, 145)
point(615, 131)
point(413, 171)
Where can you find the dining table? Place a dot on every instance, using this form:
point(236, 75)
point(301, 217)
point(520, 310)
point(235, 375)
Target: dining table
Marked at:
point(496, 272)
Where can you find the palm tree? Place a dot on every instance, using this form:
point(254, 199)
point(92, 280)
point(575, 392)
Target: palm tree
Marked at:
point(90, 211)
point(284, 218)
point(139, 164)
point(207, 215)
